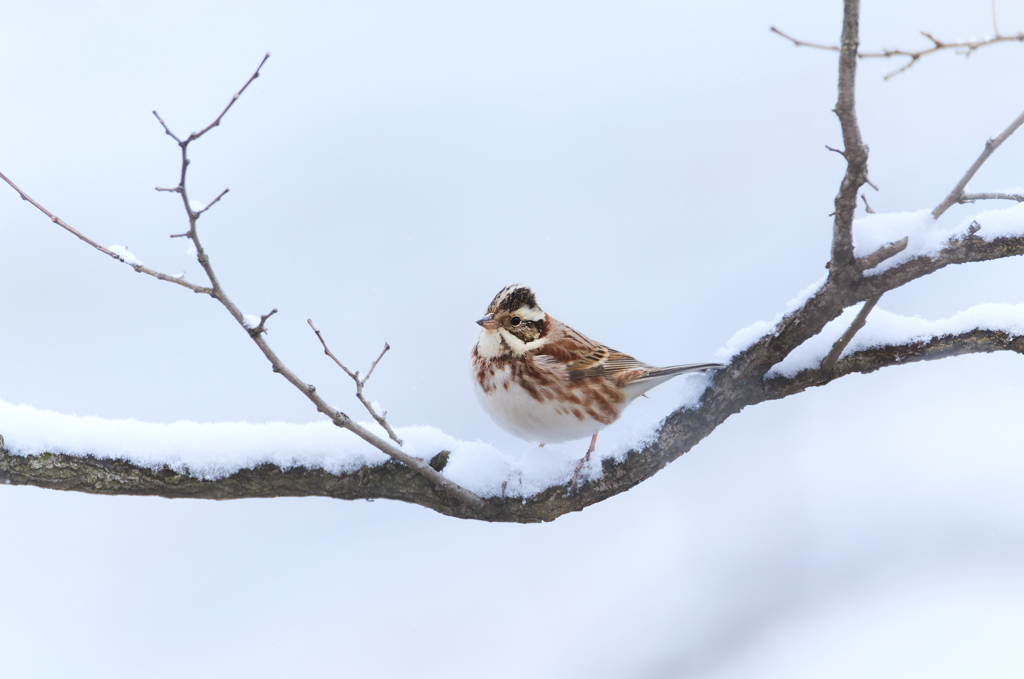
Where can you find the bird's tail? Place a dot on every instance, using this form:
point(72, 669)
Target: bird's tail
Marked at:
point(682, 369)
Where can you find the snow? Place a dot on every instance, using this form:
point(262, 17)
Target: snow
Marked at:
point(216, 450)
point(888, 329)
point(251, 320)
point(745, 337)
point(123, 252)
point(925, 236)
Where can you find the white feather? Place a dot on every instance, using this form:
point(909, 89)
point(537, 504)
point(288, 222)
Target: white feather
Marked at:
point(523, 416)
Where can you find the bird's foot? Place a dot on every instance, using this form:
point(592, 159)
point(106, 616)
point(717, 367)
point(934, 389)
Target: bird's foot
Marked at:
point(586, 459)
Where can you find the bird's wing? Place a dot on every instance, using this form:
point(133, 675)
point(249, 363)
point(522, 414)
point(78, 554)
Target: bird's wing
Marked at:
point(582, 357)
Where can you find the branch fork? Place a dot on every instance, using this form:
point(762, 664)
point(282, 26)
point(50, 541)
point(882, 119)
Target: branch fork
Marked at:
point(381, 418)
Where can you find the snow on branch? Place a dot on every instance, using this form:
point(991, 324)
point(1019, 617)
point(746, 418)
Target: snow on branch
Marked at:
point(805, 345)
point(891, 331)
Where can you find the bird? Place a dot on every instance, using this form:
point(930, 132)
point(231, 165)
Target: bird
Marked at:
point(542, 381)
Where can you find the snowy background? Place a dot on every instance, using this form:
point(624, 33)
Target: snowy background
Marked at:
point(657, 172)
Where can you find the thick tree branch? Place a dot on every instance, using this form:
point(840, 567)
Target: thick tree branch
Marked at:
point(869, 360)
point(855, 151)
point(683, 430)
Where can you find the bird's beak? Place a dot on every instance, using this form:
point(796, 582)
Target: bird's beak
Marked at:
point(488, 322)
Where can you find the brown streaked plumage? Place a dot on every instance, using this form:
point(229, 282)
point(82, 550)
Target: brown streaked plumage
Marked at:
point(542, 381)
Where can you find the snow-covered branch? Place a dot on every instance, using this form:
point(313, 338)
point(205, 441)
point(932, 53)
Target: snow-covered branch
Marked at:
point(827, 332)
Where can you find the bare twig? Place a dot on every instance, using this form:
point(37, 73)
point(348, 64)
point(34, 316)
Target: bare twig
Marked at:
point(215, 123)
point(60, 222)
point(971, 197)
point(387, 347)
point(138, 267)
point(837, 348)
point(798, 43)
point(214, 202)
point(263, 320)
point(169, 134)
point(965, 48)
point(360, 383)
point(990, 146)
point(867, 206)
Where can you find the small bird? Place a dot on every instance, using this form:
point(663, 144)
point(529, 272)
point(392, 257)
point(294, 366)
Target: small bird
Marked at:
point(542, 381)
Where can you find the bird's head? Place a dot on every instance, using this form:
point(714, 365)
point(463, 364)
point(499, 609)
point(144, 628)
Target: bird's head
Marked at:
point(513, 322)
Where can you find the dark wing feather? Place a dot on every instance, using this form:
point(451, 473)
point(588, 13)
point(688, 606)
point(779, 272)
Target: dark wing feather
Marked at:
point(583, 358)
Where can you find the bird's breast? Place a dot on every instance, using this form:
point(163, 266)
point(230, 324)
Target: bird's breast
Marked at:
point(535, 400)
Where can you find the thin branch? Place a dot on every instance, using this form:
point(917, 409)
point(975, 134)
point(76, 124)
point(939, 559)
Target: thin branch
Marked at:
point(387, 347)
point(215, 123)
point(804, 43)
point(971, 197)
point(381, 418)
point(837, 348)
point(990, 146)
point(965, 48)
point(169, 134)
point(867, 205)
point(259, 329)
point(138, 267)
point(222, 194)
point(60, 222)
point(177, 280)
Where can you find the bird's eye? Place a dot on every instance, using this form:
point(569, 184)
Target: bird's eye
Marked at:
point(515, 320)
